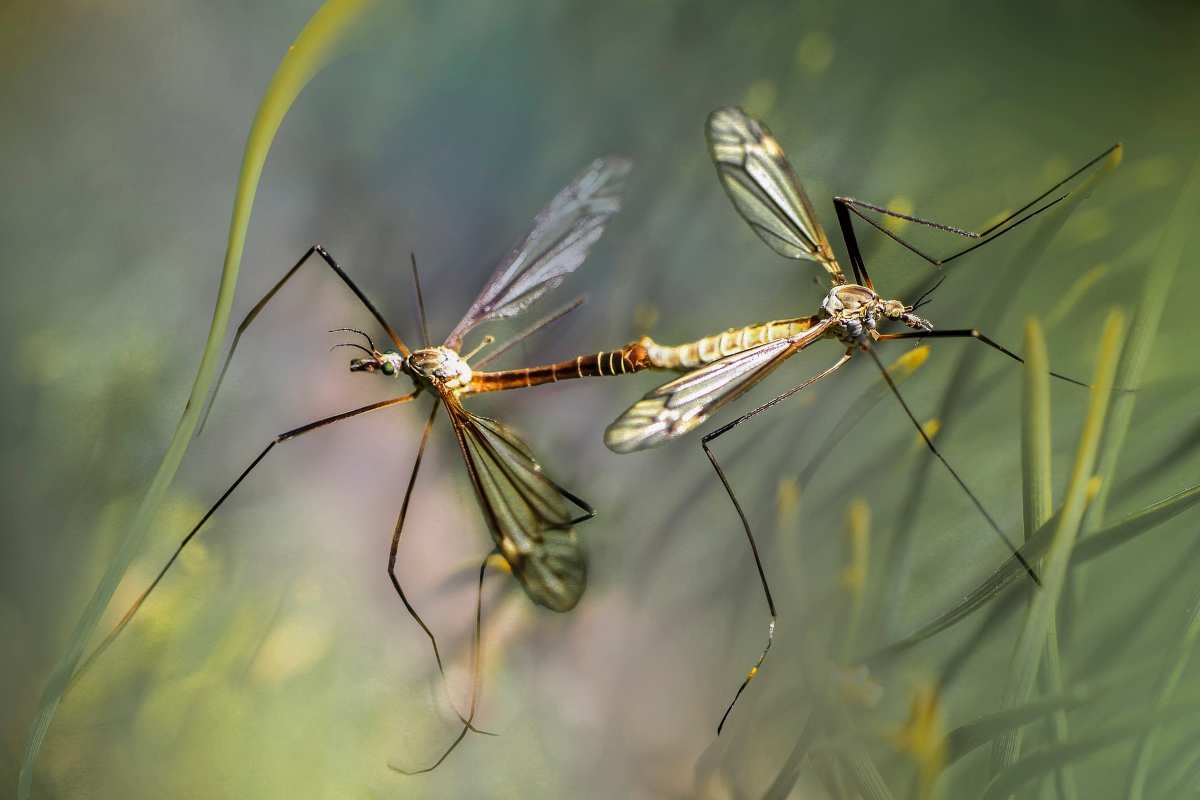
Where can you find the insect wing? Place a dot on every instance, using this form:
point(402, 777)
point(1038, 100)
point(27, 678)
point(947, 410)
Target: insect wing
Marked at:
point(764, 189)
point(527, 513)
point(679, 406)
point(562, 234)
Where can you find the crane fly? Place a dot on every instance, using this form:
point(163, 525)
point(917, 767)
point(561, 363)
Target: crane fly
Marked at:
point(530, 517)
point(764, 189)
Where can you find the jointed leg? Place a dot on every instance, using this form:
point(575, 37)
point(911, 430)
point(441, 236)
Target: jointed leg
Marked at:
point(846, 205)
point(476, 655)
point(253, 313)
point(937, 453)
point(283, 437)
point(762, 575)
point(970, 333)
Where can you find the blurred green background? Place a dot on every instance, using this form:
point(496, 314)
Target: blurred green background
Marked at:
point(276, 661)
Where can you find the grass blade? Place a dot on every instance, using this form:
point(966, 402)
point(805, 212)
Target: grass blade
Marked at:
point(1135, 525)
point(969, 737)
point(1142, 331)
point(1094, 546)
point(1027, 654)
point(1036, 485)
point(316, 45)
point(1168, 684)
point(1037, 492)
point(1000, 296)
point(1042, 761)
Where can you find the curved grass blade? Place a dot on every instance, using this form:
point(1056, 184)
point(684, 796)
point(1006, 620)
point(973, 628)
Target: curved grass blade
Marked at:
point(1167, 257)
point(866, 775)
point(969, 737)
point(1037, 490)
point(322, 39)
point(1000, 297)
point(1031, 643)
point(1037, 494)
point(1168, 684)
point(789, 774)
point(1042, 761)
point(1094, 546)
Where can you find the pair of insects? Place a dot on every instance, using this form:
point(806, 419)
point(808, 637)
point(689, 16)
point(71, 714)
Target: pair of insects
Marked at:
point(530, 517)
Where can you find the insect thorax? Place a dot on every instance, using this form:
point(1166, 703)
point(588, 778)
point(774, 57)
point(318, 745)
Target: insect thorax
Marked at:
point(859, 310)
point(440, 366)
point(856, 308)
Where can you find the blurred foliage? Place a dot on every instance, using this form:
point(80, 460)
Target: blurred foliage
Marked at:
point(276, 660)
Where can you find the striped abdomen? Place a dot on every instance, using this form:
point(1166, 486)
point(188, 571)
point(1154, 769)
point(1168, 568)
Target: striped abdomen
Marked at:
point(629, 359)
point(710, 348)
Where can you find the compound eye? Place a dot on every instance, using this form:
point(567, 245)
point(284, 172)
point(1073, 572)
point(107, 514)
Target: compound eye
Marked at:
point(388, 368)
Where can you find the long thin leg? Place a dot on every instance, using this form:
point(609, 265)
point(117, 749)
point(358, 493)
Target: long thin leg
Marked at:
point(856, 260)
point(762, 574)
point(476, 654)
point(933, 449)
point(971, 333)
point(549, 319)
point(844, 205)
point(395, 547)
point(283, 437)
point(258, 307)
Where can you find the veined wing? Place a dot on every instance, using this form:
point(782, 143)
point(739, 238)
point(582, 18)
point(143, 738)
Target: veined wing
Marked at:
point(527, 513)
point(764, 189)
point(562, 234)
point(677, 407)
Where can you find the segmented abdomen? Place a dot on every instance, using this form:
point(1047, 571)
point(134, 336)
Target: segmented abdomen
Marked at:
point(704, 351)
point(629, 359)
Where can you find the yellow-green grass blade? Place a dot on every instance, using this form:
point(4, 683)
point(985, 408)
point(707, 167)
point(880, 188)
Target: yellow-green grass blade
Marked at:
point(970, 736)
point(1042, 761)
point(1037, 494)
point(1036, 484)
point(319, 42)
point(1143, 329)
point(866, 776)
point(789, 774)
point(1101, 543)
point(1000, 296)
point(1031, 643)
point(1142, 332)
point(1168, 685)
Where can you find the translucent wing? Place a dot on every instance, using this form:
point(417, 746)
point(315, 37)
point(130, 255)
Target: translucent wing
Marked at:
point(677, 407)
point(764, 189)
point(562, 234)
point(527, 513)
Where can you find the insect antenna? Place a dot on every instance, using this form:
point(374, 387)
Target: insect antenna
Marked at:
point(352, 344)
point(954, 473)
point(928, 293)
point(420, 300)
point(370, 341)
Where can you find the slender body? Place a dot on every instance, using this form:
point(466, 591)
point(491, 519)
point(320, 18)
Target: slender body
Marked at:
point(762, 186)
point(531, 518)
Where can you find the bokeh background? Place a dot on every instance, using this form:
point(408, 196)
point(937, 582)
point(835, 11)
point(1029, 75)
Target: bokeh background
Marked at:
point(276, 661)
